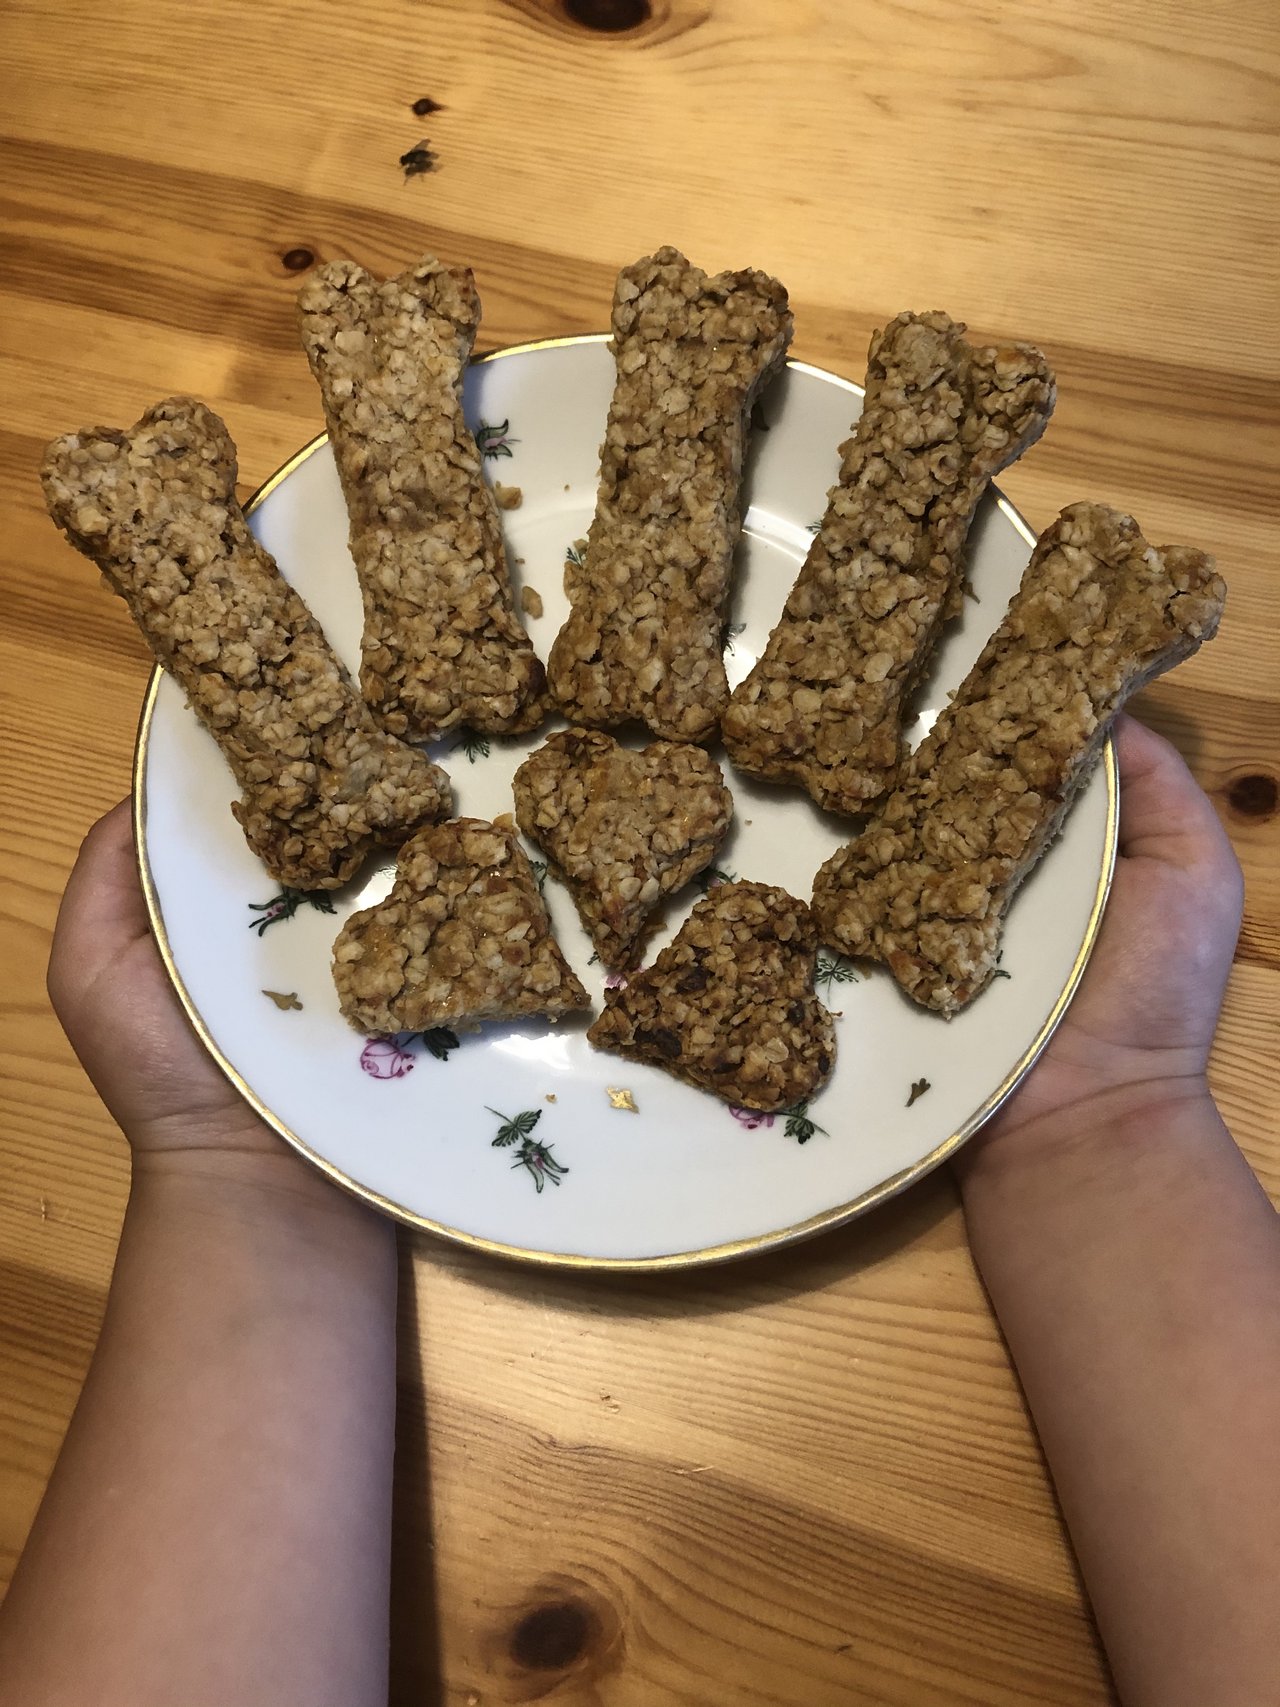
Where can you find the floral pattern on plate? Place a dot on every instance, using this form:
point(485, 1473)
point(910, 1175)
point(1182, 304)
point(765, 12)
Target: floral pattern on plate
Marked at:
point(493, 442)
point(535, 1158)
point(393, 1057)
point(284, 905)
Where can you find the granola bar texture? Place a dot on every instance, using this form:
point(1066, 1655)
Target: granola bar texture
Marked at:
point(643, 639)
point(622, 829)
point(926, 886)
point(442, 642)
point(463, 936)
point(729, 1005)
point(824, 706)
point(155, 508)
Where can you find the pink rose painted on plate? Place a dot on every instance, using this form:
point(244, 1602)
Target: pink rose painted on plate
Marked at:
point(393, 1057)
point(751, 1118)
point(386, 1058)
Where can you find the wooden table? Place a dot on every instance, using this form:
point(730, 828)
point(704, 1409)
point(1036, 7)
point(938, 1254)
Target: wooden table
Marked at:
point(807, 1479)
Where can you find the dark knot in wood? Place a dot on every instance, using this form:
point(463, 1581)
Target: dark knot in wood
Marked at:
point(552, 1637)
point(1254, 796)
point(609, 16)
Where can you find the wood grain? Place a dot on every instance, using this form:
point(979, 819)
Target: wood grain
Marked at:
point(807, 1479)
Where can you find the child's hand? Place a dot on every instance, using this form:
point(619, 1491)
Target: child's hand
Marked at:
point(115, 1002)
point(1139, 1030)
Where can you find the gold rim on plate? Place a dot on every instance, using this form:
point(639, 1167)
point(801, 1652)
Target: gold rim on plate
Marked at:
point(825, 1219)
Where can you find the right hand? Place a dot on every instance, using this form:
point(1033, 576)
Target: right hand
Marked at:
point(1138, 1033)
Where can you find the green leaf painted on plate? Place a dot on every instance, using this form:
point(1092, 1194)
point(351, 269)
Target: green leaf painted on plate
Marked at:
point(473, 745)
point(514, 1126)
point(800, 1125)
point(833, 969)
point(534, 1157)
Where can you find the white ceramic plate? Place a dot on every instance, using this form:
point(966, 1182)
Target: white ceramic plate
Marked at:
point(578, 1181)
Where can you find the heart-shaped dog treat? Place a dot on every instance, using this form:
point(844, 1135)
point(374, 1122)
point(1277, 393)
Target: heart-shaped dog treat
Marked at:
point(464, 935)
point(729, 1006)
point(622, 829)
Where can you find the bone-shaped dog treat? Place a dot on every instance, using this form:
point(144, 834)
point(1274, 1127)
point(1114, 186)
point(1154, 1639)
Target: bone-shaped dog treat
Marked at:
point(622, 829)
point(824, 706)
point(155, 508)
point(644, 635)
point(729, 1005)
point(926, 886)
point(442, 642)
point(463, 936)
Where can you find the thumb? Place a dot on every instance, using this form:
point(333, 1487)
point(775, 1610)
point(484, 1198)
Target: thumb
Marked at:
point(1164, 813)
point(102, 913)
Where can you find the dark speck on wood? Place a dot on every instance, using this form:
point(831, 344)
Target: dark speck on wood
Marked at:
point(418, 160)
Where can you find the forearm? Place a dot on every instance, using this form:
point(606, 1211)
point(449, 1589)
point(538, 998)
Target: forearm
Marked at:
point(218, 1526)
point(1134, 1264)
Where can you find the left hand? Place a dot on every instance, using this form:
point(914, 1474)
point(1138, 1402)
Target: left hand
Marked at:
point(110, 991)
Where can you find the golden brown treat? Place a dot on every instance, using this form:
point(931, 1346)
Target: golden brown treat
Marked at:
point(464, 935)
point(621, 829)
point(155, 508)
point(643, 637)
point(442, 642)
point(729, 1006)
point(825, 704)
point(925, 888)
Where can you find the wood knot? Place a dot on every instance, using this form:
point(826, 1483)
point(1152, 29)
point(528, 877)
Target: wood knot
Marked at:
point(609, 16)
point(1255, 795)
point(560, 1628)
point(297, 260)
point(554, 1636)
point(644, 23)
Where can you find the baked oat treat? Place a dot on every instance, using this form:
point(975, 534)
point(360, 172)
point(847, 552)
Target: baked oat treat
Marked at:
point(155, 508)
point(647, 603)
point(926, 887)
point(622, 830)
point(825, 704)
point(729, 1005)
point(443, 645)
point(463, 936)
